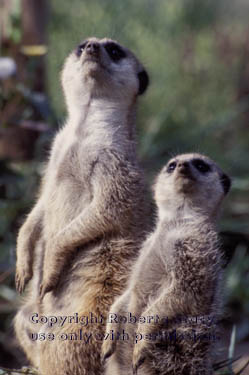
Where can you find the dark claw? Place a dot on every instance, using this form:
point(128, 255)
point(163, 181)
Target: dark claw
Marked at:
point(44, 290)
point(41, 292)
point(17, 284)
point(106, 356)
point(137, 365)
point(21, 283)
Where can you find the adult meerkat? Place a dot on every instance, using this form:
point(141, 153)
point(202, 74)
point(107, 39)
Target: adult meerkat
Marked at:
point(175, 283)
point(79, 241)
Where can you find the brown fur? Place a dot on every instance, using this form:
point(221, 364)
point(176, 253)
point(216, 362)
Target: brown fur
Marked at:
point(80, 240)
point(177, 276)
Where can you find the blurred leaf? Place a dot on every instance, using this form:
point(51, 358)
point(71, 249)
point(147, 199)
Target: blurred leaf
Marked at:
point(35, 50)
point(231, 349)
point(7, 293)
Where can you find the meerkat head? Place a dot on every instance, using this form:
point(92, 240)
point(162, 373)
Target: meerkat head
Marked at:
point(192, 183)
point(103, 68)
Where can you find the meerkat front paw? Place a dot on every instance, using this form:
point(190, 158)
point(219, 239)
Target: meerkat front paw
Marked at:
point(139, 356)
point(23, 276)
point(45, 287)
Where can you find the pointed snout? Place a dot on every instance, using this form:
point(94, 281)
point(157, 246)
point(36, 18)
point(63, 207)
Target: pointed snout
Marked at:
point(183, 167)
point(92, 48)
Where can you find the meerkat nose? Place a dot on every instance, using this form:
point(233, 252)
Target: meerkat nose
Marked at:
point(184, 168)
point(92, 48)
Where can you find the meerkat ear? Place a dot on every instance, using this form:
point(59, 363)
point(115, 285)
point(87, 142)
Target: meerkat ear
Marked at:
point(226, 182)
point(143, 79)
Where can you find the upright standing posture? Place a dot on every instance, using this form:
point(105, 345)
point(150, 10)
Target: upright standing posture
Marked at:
point(174, 290)
point(81, 238)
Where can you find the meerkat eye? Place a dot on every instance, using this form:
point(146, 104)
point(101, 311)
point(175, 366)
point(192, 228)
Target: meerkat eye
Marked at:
point(115, 52)
point(201, 166)
point(80, 48)
point(171, 167)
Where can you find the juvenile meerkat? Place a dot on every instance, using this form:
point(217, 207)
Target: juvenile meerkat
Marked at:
point(176, 280)
point(79, 241)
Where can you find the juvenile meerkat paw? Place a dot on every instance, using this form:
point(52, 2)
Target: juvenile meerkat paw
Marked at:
point(108, 348)
point(45, 287)
point(22, 277)
point(139, 356)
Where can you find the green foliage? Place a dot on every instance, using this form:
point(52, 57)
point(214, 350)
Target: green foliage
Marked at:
point(237, 281)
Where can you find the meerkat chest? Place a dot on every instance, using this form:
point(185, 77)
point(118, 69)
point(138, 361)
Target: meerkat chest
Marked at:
point(150, 276)
point(68, 183)
point(72, 161)
point(76, 164)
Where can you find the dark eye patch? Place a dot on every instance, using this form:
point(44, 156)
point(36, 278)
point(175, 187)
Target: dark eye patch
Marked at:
point(80, 48)
point(171, 167)
point(201, 165)
point(226, 182)
point(143, 79)
point(114, 51)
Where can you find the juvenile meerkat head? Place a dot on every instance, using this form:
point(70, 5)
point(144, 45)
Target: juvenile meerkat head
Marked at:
point(192, 183)
point(103, 68)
